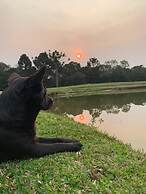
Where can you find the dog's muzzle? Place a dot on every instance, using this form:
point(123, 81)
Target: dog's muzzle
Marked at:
point(47, 103)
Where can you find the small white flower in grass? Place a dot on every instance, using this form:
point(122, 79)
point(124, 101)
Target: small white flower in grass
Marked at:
point(39, 182)
point(94, 182)
point(78, 153)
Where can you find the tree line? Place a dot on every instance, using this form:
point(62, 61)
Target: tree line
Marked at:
point(61, 71)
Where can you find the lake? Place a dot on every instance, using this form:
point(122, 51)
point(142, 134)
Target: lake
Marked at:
point(121, 115)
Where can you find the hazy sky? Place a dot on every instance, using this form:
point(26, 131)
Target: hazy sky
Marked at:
point(102, 28)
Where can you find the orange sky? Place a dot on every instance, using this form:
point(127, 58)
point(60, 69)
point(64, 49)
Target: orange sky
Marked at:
point(98, 28)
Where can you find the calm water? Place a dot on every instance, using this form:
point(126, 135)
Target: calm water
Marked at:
point(122, 116)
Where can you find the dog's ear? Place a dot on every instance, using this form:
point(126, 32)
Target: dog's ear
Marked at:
point(37, 77)
point(13, 77)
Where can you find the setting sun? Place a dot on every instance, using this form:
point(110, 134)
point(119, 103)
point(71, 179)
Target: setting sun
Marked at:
point(78, 55)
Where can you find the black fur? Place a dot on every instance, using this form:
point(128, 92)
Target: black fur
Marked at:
point(20, 104)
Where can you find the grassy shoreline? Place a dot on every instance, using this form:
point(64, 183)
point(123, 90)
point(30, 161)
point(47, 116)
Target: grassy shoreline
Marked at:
point(98, 89)
point(104, 165)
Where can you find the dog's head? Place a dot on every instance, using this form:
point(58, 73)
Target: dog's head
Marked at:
point(30, 90)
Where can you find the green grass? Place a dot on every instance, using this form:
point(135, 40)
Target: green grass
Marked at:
point(100, 88)
point(104, 165)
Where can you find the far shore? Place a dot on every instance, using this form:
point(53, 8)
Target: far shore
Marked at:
point(98, 89)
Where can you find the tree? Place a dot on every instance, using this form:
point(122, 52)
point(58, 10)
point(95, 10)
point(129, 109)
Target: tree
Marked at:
point(138, 73)
point(124, 64)
point(4, 67)
point(56, 63)
point(71, 74)
point(112, 63)
point(93, 62)
point(4, 75)
point(24, 63)
point(71, 68)
point(42, 60)
point(53, 60)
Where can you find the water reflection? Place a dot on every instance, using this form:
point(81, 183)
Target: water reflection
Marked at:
point(96, 104)
point(121, 115)
point(85, 117)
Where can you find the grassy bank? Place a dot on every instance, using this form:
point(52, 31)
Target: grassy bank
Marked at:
point(97, 89)
point(103, 166)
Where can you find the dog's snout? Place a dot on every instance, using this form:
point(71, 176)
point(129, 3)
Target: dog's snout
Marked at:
point(47, 102)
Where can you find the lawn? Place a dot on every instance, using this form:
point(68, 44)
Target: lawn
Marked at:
point(104, 165)
point(99, 88)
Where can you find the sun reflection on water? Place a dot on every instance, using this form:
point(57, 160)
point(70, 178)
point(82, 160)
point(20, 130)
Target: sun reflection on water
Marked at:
point(86, 118)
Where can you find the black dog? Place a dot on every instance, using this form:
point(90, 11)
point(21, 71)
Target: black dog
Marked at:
point(20, 104)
